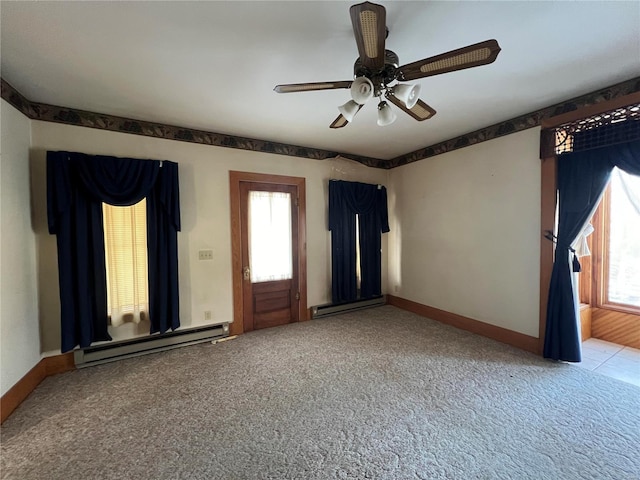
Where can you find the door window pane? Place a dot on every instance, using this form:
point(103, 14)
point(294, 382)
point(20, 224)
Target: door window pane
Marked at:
point(270, 236)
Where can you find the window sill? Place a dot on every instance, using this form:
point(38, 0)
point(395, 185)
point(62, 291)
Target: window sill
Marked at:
point(620, 308)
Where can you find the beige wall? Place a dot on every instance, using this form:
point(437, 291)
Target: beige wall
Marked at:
point(464, 229)
point(204, 192)
point(465, 232)
point(19, 333)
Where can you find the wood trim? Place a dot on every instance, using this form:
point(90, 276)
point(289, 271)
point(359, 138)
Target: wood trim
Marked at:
point(602, 224)
point(58, 364)
point(243, 239)
point(585, 322)
point(236, 327)
point(597, 243)
point(591, 110)
point(585, 277)
point(510, 337)
point(21, 390)
point(621, 308)
point(547, 222)
point(303, 312)
point(235, 177)
point(27, 384)
point(617, 327)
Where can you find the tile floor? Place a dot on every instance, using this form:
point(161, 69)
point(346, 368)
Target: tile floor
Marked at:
point(611, 359)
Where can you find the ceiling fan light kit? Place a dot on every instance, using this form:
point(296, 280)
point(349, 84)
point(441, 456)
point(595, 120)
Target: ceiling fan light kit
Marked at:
point(386, 115)
point(377, 72)
point(361, 90)
point(406, 93)
point(349, 110)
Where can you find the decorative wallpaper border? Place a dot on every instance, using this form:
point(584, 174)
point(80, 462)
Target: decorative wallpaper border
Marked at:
point(71, 116)
point(520, 123)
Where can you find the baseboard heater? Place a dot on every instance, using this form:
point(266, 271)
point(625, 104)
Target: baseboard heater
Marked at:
point(335, 309)
point(113, 351)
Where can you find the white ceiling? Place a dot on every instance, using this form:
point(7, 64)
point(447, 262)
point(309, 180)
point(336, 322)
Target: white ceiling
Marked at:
point(213, 65)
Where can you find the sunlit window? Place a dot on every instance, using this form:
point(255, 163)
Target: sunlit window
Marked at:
point(270, 236)
point(623, 240)
point(125, 238)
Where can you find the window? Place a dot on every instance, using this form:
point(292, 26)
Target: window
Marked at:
point(125, 238)
point(621, 241)
point(270, 241)
point(611, 278)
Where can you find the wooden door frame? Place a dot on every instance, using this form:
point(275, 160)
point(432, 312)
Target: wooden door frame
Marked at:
point(235, 178)
point(549, 179)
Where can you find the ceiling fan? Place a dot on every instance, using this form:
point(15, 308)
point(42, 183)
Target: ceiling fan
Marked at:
point(377, 74)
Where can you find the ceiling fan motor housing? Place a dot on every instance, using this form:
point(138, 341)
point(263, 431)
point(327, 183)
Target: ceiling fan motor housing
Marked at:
point(378, 70)
point(382, 77)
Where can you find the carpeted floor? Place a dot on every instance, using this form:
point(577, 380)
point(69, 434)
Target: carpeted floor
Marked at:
point(376, 394)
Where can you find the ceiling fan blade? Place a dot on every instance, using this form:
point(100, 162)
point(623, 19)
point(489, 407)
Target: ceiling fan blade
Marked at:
point(341, 121)
point(420, 111)
point(474, 55)
point(370, 30)
point(306, 87)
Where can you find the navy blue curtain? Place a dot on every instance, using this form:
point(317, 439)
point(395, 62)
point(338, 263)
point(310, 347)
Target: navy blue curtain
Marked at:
point(77, 184)
point(369, 202)
point(582, 177)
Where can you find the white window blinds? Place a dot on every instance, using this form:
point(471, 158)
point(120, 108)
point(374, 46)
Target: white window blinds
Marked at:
point(125, 235)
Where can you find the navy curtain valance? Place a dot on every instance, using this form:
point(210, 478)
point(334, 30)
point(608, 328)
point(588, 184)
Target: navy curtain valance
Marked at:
point(582, 177)
point(369, 202)
point(112, 180)
point(77, 185)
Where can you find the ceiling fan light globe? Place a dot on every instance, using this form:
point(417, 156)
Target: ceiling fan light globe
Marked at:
point(408, 94)
point(361, 90)
point(349, 110)
point(386, 115)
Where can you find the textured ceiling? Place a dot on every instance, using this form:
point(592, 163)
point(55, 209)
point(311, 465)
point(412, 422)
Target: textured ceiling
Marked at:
point(213, 65)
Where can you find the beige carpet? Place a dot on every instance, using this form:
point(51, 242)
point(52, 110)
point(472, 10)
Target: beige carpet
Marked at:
point(377, 394)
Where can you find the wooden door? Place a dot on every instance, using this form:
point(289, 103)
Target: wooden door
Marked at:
point(269, 242)
point(267, 302)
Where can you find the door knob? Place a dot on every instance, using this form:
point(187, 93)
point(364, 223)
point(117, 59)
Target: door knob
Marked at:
point(246, 273)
